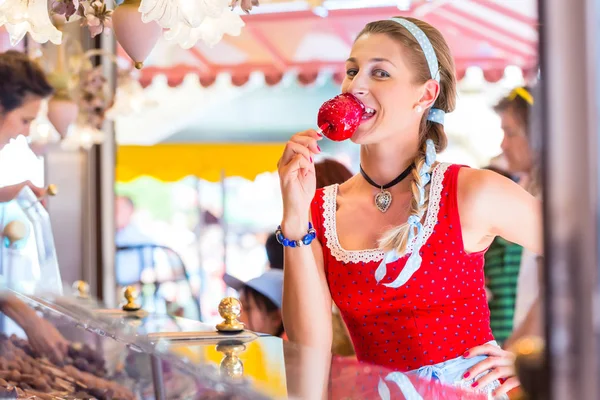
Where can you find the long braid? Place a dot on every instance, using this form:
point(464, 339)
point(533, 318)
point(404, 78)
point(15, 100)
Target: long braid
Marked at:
point(397, 238)
point(430, 58)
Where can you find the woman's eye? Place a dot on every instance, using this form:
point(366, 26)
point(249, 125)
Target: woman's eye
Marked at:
point(351, 72)
point(381, 73)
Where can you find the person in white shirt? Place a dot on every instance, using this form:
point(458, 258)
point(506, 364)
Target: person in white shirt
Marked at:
point(23, 86)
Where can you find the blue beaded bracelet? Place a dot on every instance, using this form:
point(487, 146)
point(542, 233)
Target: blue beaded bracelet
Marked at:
point(305, 241)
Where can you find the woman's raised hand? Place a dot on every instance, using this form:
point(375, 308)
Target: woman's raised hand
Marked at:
point(298, 181)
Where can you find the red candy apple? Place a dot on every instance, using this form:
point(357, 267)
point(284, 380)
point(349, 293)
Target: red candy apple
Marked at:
point(339, 117)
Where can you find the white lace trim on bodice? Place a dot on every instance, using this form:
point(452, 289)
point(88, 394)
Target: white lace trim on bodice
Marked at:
point(375, 255)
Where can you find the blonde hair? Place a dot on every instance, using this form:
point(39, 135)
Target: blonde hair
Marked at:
point(397, 238)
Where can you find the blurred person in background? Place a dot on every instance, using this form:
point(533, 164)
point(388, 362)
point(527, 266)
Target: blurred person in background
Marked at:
point(128, 232)
point(23, 87)
point(329, 172)
point(274, 252)
point(515, 111)
point(261, 300)
point(131, 257)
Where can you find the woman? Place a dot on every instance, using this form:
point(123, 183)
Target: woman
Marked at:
point(514, 111)
point(23, 86)
point(407, 279)
point(261, 302)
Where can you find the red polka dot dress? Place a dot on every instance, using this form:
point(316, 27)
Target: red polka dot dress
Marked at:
point(442, 309)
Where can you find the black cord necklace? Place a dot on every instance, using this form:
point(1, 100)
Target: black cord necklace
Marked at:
point(383, 199)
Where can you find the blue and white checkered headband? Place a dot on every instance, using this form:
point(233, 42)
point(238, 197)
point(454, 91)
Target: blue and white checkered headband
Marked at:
point(435, 114)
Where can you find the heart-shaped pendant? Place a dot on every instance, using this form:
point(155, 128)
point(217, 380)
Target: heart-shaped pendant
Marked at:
point(383, 200)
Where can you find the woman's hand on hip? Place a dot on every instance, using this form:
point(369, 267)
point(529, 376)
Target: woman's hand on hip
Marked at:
point(297, 174)
point(500, 365)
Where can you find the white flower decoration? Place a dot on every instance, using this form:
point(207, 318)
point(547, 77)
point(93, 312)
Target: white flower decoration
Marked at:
point(210, 31)
point(28, 16)
point(169, 14)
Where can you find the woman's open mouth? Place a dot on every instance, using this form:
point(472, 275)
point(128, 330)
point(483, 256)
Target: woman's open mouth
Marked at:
point(369, 113)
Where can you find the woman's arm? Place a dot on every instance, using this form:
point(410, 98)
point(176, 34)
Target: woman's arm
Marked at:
point(491, 205)
point(306, 298)
point(42, 335)
point(8, 193)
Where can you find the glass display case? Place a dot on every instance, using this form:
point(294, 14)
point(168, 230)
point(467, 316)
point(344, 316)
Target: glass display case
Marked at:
point(75, 349)
point(63, 344)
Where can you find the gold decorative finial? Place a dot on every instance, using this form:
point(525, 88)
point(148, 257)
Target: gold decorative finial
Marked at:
point(52, 190)
point(82, 289)
point(130, 295)
point(15, 231)
point(231, 365)
point(230, 310)
point(139, 65)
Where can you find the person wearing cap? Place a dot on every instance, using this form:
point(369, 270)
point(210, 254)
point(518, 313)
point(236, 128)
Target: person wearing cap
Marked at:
point(261, 300)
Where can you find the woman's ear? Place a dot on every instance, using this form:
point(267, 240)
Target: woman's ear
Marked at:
point(431, 91)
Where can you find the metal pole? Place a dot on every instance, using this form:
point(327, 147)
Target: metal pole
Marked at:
point(199, 231)
point(223, 217)
point(106, 161)
point(157, 378)
point(569, 101)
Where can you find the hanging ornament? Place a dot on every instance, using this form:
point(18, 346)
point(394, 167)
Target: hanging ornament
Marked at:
point(136, 37)
point(62, 110)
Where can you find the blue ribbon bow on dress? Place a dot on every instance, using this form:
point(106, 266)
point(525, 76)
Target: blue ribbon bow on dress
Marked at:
point(415, 230)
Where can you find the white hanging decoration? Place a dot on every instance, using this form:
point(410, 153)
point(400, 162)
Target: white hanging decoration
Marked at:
point(28, 16)
point(170, 13)
point(187, 21)
point(211, 31)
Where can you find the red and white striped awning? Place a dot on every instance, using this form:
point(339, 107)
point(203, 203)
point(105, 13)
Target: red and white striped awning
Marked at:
point(490, 34)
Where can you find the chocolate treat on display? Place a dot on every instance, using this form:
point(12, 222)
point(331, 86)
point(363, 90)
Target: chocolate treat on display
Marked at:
point(84, 358)
point(339, 117)
point(23, 375)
